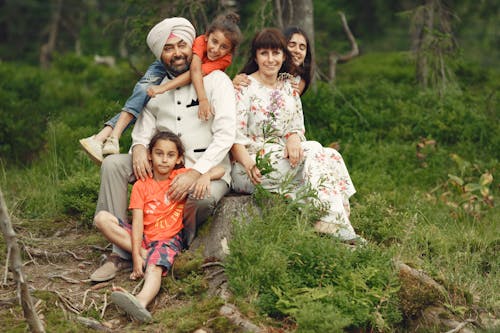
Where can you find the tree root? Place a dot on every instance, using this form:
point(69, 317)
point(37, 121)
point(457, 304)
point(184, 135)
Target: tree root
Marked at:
point(92, 323)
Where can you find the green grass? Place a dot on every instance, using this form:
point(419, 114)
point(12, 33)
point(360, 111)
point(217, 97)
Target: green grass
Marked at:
point(410, 208)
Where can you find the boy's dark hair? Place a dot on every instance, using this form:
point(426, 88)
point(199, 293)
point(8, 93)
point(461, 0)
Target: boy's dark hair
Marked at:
point(228, 24)
point(169, 136)
point(269, 38)
point(305, 71)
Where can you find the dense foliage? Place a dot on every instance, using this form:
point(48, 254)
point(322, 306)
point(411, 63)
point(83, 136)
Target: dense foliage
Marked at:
point(425, 164)
point(322, 284)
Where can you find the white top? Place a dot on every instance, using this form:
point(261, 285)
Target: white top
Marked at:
point(267, 115)
point(206, 143)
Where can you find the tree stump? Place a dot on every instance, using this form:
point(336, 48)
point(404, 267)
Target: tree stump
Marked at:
point(215, 234)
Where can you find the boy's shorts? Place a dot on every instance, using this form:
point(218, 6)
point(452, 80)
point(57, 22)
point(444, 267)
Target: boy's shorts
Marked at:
point(160, 252)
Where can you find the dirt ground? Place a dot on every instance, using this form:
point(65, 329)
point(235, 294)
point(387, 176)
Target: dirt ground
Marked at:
point(58, 260)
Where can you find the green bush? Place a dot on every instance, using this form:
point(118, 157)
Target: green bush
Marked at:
point(386, 107)
point(297, 273)
point(79, 196)
point(22, 122)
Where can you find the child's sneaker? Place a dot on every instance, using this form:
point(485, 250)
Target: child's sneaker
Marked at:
point(93, 148)
point(111, 146)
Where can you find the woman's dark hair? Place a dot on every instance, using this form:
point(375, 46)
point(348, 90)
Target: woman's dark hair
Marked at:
point(306, 69)
point(228, 24)
point(169, 136)
point(269, 38)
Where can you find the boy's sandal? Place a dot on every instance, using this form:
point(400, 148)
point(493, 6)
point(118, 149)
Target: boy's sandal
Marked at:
point(127, 302)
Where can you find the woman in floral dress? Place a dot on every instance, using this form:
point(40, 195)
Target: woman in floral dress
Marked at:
point(270, 124)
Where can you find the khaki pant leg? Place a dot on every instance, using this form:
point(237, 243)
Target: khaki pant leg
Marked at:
point(196, 212)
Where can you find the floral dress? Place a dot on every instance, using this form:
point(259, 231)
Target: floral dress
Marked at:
point(265, 118)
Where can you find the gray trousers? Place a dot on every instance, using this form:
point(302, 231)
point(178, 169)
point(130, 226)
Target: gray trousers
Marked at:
point(117, 173)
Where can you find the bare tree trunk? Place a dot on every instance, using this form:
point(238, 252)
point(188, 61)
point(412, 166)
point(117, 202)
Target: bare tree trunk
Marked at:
point(279, 14)
point(422, 43)
point(336, 58)
point(298, 13)
point(14, 258)
point(48, 48)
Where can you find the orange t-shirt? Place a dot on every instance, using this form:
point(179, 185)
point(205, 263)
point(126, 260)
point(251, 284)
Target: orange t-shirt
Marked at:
point(207, 65)
point(162, 218)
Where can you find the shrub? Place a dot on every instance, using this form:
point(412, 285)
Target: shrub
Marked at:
point(79, 196)
point(297, 273)
point(22, 114)
point(385, 106)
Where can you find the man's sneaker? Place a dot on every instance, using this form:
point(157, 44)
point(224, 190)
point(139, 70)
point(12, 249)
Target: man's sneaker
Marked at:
point(111, 146)
point(108, 270)
point(93, 148)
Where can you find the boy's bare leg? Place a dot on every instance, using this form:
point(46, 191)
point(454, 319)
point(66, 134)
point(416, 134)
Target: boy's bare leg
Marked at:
point(152, 284)
point(108, 224)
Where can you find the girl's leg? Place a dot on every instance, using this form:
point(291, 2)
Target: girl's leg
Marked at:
point(122, 123)
point(152, 284)
point(111, 145)
point(93, 145)
point(103, 134)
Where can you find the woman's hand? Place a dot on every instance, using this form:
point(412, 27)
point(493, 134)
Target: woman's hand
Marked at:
point(254, 174)
point(140, 163)
point(241, 80)
point(138, 271)
point(293, 150)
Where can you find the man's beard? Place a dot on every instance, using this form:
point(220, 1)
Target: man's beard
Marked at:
point(177, 70)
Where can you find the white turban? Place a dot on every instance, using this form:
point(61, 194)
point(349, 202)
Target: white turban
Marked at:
point(177, 26)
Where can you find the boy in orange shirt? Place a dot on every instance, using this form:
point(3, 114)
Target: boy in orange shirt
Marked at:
point(154, 237)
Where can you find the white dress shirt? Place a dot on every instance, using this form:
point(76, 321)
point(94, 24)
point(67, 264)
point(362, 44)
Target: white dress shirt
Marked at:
point(206, 143)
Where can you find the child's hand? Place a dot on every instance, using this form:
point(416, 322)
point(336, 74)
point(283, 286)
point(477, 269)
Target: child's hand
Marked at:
point(295, 86)
point(138, 271)
point(205, 110)
point(201, 188)
point(241, 80)
point(154, 90)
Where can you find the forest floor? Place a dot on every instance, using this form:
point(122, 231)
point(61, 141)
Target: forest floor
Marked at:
point(58, 261)
point(59, 257)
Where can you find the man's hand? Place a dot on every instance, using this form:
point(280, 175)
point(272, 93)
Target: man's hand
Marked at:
point(140, 162)
point(182, 184)
point(293, 150)
point(201, 188)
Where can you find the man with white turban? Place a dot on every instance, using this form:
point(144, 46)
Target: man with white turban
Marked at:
point(206, 143)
